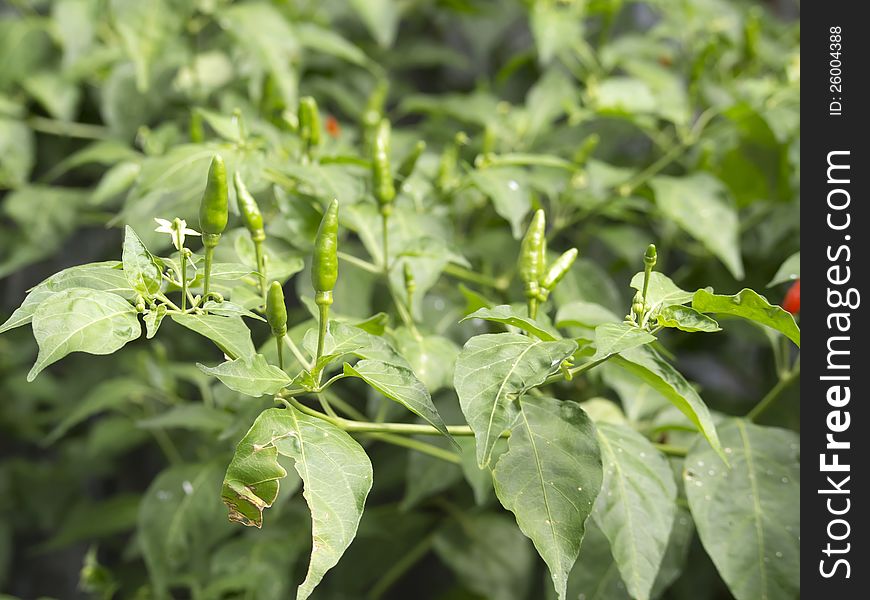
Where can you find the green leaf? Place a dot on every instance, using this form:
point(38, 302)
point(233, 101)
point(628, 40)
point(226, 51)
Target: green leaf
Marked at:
point(613, 338)
point(424, 255)
point(492, 372)
point(505, 314)
point(624, 96)
point(549, 478)
point(661, 290)
point(251, 376)
point(427, 476)
point(635, 509)
point(381, 17)
point(180, 518)
point(750, 305)
point(686, 319)
point(327, 41)
point(96, 276)
point(548, 99)
point(229, 333)
point(400, 385)
point(431, 357)
point(789, 270)
point(112, 393)
point(748, 516)
point(145, 28)
point(679, 543)
point(596, 576)
point(479, 479)
point(139, 266)
point(153, 318)
point(92, 520)
point(343, 339)
point(556, 28)
point(117, 180)
point(81, 320)
point(584, 314)
point(651, 367)
point(488, 554)
point(195, 417)
point(259, 564)
point(17, 152)
point(700, 205)
point(266, 36)
point(336, 472)
point(507, 189)
point(56, 93)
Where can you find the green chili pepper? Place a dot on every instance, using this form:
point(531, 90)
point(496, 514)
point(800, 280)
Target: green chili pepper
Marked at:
point(276, 310)
point(649, 261)
point(213, 210)
point(650, 256)
point(253, 221)
point(382, 179)
point(197, 134)
point(410, 283)
point(276, 316)
point(324, 273)
point(532, 262)
point(373, 112)
point(213, 213)
point(309, 123)
point(532, 253)
point(558, 269)
point(410, 161)
point(251, 216)
point(489, 140)
point(446, 179)
point(581, 156)
point(324, 268)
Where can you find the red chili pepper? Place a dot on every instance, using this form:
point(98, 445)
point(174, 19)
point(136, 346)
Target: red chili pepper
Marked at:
point(332, 126)
point(792, 301)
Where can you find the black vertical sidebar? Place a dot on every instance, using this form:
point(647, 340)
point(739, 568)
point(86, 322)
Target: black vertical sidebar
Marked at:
point(835, 419)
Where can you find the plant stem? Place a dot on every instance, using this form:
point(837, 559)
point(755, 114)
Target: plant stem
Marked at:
point(280, 352)
point(647, 271)
point(575, 370)
point(169, 302)
point(528, 160)
point(385, 432)
point(671, 450)
point(321, 335)
point(652, 170)
point(183, 281)
point(412, 444)
point(460, 272)
point(369, 427)
point(167, 446)
point(774, 393)
point(385, 241)
point(533, 308)
point(359, 262)
point(209, 257)
point(400, 567)
point(64, 129)
point(296, 352)
point(327, 408)
point(261, 268)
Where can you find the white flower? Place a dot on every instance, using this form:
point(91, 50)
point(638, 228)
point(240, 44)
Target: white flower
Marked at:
point(177, 229)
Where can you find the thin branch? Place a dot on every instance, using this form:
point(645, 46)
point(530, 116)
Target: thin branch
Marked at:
point(774, 394)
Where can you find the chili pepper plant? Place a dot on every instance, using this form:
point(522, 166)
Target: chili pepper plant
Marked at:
point(383, 299)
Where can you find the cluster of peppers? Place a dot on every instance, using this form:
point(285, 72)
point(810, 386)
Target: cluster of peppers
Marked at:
point(214, 214)
point(539, 279)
